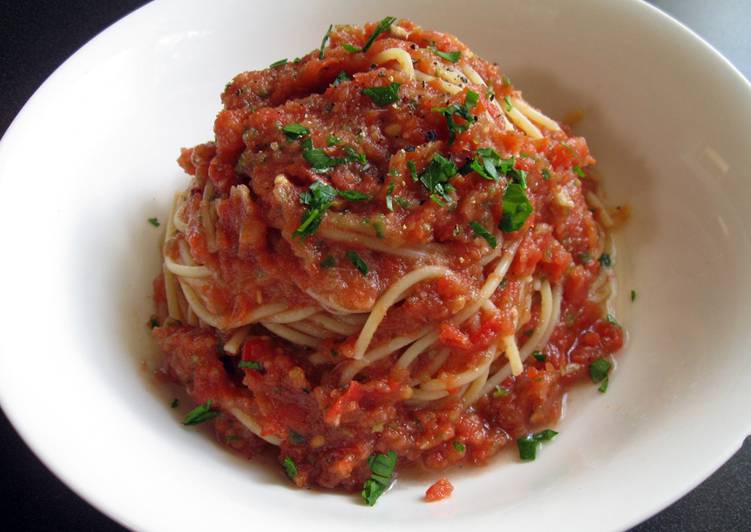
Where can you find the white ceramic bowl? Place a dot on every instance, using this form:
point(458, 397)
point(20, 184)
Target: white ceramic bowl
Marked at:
point(91, 157)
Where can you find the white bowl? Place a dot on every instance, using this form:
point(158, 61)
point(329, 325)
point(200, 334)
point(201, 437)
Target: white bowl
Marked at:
point(91, 157)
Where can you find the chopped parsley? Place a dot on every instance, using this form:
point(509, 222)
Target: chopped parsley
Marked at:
point(382, 26)
point(341, 78)
point(412, 170)
point(633, 295)
point(611, 320)
point(389, 197)
point(289, 467)
point(491, 166)
point(459, 446)
point(529, 444)
point(175, 403)
point(545, 174)
point(378, 228)
point(200, 414)
point(383, 96)
point(507, 101)
point(279, 63)
point(328, 262)
point(605, 260)
point(435, 177)
point(353, 156)
point(479, 230)
point(540, 357)
point(357, 261)
point(599, 369)
point(295, 131)
point(578, 171)
point(321, 162)
point(603, 387)
point(403, 203)
point(333, 140)
point(154, 222)
point(516, 208)
point(353, 195)
point(463, 111)
point(251, 364)
point(451, 57)
point(296, 437)
point(317, 199)
point(506, 80)
point(324, 41)
point(382, 471)
point(500, 391)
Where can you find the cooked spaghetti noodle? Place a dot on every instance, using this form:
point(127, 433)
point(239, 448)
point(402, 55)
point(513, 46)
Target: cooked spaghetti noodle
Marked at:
point(378, 240)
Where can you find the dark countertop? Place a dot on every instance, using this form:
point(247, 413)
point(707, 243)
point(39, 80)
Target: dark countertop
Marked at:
point(36, 37)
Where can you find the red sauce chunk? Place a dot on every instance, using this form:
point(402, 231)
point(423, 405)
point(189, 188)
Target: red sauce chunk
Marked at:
point(442, 489)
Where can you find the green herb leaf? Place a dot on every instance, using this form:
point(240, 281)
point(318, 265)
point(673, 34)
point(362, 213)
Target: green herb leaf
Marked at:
point(251, 364)
point(295, 131)
point(352, 156)
point(506, 80)
point(412, 170)
point(491, 166)
point(500, 391)
point(578, 171)
point(403, 203)
point(317, 199)
point(545, 174)
point(328, 262)
point(507, 101)
point(200, 414)
point(296, 437)
point(378, 228)
point(479, 230)
point(357, 261)
point(279, 63)
point(382, 469)
point(598, 370)
point(324, 41)
point(317, 158)
point(545, 435)
point(353, 195)
point(382, 26)
point(605, 260)
point(452, 57)
point(633, 295)
point(604, 385)
point(289, 467)
point(351, 48)
point(516, 208)
point(389, 198)
point(154, 222)
point(529, 444)
point(333, 140)
point(435, 177)
point(463, 111)
point(459, 446)
point(611, 319)
point(341, 78)
point(383, 96)
point(540, 357)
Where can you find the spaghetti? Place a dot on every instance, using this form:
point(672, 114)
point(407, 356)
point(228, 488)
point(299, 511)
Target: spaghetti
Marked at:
point(379, 238)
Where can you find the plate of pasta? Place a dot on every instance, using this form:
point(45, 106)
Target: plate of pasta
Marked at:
point(355, 259)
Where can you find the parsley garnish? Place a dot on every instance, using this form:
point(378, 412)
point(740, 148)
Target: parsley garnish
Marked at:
point(479, 230)
point(459, 446)
point(295, 131)
point(540, 357)
point(506, 80)
point(383, 96)
point(470, 100)
point(351, 48)
point(516, 208)
point(278, 63)
point(507, 101)
point(353, 195)
point(529, 444)
point(545, 174)
point(605, 260)
point(611, 319)
point(200, 414)
point(324, 41)
point(599, 369)
point(452, 57)
point(353, 156)
point(389, 198)
point(500, 391)
point(578, 171)
point(403, 203)
point(435, 177)
point(333, 140)
point(289, 467)
point(412, 170)
point(357, 262)
point(382, 470)
point(603, 387)
point(154, 222)
point(321, 162)
point(488, 164)
point(633, 295)
point(328, 262)
point(251, 364)
point(296, 437)
point(382, 26)
point(378, 228)
point(340, 78)
point(317, 199)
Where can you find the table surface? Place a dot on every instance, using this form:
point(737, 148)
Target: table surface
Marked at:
point(36, 37)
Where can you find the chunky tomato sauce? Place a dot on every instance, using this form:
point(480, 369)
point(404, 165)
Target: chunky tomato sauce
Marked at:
point(254, 176)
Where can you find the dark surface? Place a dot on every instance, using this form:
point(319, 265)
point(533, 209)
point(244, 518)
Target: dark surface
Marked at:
point(36, 37)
